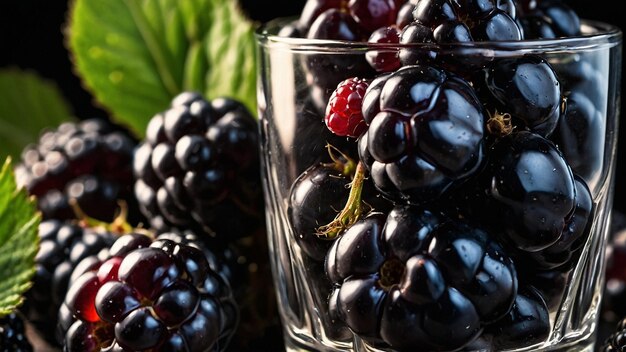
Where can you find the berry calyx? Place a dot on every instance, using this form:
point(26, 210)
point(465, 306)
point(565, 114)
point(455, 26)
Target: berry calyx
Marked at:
point(343, 113)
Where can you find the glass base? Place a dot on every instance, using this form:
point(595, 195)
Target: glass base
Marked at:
point(294, 343)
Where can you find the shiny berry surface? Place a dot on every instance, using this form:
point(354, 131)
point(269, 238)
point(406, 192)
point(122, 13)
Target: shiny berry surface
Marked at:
point(315, 198)
point(427, 135)
point(150, 298)
point(531, 190)
point(196, 164)
point(528, 89)
point(527, 324)
point(343, 113)
point(472, 20)
point(88, 162)
point(373, 14)
point(412, 268)
point(384, 60)
point(550, 19)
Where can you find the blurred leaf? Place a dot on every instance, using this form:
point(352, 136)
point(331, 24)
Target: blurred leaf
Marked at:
point(136, 55)
point(19, 241)
point(28, 104)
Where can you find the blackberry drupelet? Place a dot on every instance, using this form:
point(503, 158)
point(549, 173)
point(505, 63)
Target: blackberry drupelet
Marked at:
point(198, 168)
point(89, 162)
point(62, 246)
point(384, 60)
point(149, 295)
point(12, 335)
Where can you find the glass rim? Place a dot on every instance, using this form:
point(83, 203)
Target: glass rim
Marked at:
point(595, 34)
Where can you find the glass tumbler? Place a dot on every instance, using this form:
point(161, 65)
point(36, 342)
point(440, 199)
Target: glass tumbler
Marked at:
point(467, 210)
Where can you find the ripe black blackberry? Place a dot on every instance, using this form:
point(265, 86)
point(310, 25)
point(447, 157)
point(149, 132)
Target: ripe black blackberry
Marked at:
point(549, 19)
point(199, 168)
point(148, 295)
point(63, 245)
point(414, 270)
point(12, 335)
point(90, 162)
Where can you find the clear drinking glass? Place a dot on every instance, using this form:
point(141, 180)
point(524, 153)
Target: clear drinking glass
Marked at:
point(296, 79)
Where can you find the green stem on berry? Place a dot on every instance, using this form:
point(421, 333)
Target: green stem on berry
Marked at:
point(342, 163)
point(353, 209)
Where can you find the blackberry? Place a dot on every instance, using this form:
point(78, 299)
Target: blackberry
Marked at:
point(12, 335)
point(469, 20)
point(384, 60)
point(352, 20)
point(413, 270)
point(526, 324)
point(316, 198)
point(564, 253)
point(62, 246)
point(527, 192)
point(616, 342)
point(89, 162)
point(427, 137)
point(149, 295)
point(549, 19)
point(527, 88)
point(198, 168)
point(581, 126)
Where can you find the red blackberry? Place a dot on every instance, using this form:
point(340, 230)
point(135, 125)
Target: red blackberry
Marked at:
point(12, 335)
point(149, 295)
point(63, 245)
point(352, 20)
point(90, 162)
point(198, 168)
point(343, 114)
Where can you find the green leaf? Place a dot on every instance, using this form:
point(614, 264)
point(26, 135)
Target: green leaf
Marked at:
point(19, 241)
point(136, 55)
point(28, 104)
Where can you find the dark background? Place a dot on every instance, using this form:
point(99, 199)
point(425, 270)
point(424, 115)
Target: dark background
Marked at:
point(31, 37)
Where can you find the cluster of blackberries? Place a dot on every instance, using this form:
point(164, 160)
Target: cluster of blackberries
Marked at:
point(149, 245)
point(467, 182)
